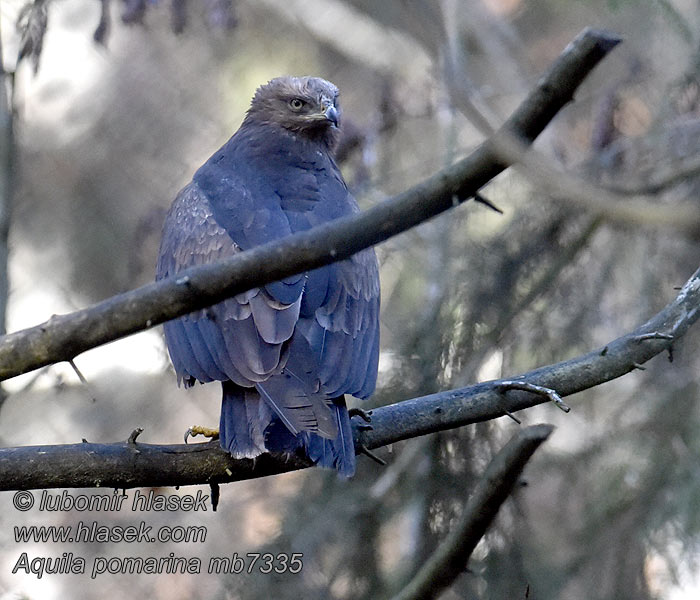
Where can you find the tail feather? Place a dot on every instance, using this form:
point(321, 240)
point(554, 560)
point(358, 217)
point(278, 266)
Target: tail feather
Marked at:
point(337, 453)
point(295, 396)
point(249, 427)
point(244, 417)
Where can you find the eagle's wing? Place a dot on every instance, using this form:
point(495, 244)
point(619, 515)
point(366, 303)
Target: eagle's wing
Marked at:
point(301, 342)
point(339, 313)
point(340, 323)
point(245, 339)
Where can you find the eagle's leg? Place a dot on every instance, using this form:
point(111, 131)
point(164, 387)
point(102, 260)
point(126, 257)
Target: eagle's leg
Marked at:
point(365, 415)
point(196, 430)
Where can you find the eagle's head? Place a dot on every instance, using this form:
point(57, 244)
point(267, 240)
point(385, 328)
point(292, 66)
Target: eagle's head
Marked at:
point(307, 106)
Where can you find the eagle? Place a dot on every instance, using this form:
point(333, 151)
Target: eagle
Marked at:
point(286, 353)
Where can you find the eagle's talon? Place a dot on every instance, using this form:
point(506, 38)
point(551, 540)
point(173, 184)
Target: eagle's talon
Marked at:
point(365, 415)
point(196, 430)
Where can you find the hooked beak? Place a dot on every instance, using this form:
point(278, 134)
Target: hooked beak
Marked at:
point(331, 113)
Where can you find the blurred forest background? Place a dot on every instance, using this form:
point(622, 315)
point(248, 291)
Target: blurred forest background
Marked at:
point(116, 114)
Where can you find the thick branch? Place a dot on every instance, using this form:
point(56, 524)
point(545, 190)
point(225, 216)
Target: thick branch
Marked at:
point(450, 558)
point(127, 464)
point(483, 401)
point(63, 337)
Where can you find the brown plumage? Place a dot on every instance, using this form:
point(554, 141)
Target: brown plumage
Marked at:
point(305, 105)
point(287, 352)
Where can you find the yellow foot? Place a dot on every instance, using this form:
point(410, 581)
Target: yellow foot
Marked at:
point(196, 430)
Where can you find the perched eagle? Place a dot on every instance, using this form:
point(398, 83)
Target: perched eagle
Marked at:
point(286, 353)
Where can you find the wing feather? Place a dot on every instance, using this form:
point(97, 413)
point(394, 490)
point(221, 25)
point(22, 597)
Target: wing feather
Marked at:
point(211, 333)
point(242, 338)
point(301, 342)
point(203, 356)
point(274, 320)
point(184, 360)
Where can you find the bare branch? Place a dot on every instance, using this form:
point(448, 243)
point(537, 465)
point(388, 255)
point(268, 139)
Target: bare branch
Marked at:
point(661, 180)
point(132, 464)
point(483, 401)
point(63, 337)
point(607, 202)
point(570, 189)
point(451, 557)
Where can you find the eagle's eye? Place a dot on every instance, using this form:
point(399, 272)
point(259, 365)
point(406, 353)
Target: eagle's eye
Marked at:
point(296, 104)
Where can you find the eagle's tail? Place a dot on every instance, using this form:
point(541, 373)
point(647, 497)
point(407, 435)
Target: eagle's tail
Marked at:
point(337, 453)
point(248, 428)
point(244, 418)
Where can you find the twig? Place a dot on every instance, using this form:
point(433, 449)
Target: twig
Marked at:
point(132, 437)
point(451, 557)
point(512, 416)
point(667, 178)
point(486, 202)
point(567, 188)
point(654, 335)
point(83, 380)
point(362, 449)
point(550, 394)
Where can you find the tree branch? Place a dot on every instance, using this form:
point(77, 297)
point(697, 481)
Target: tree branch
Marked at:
point(483, 401)
point(450, 558)
point(64, 337)
point(563, 187)
point(131, 464)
